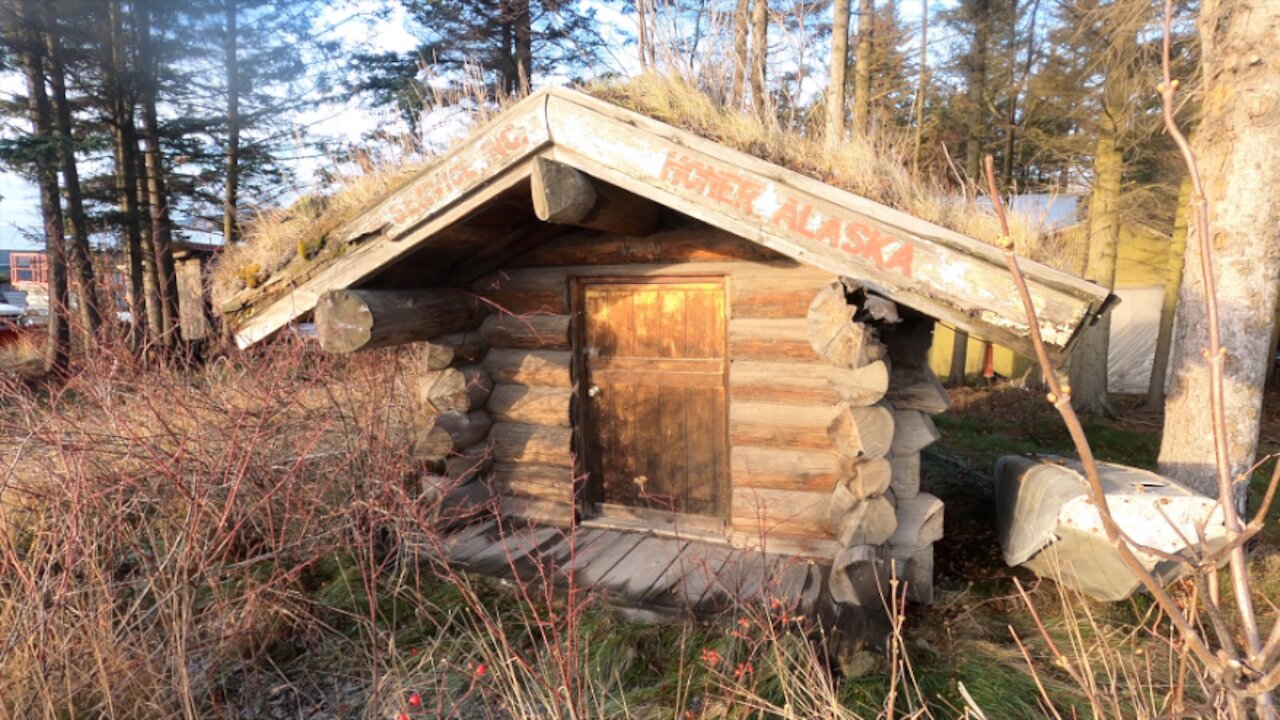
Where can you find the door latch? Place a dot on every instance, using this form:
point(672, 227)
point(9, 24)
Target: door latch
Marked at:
point(593, 391)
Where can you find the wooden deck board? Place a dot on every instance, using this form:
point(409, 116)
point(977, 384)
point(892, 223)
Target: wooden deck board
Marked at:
point(610, 554)
point(476, 543)
point(498, 558)
point(641, 569)
point(701, 567)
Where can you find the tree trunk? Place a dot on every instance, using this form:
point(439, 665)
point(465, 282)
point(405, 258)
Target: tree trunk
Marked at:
point(31, 57)
point(80, 258)
point(150, 268)
point(126, 176)
point(161, 231)
point(839, 63)
point(922, 86)
point(741, 21)
point(862, 67)
point(760, 55)
point(524, 45)
point(1235, 143)
point(977, 88)
point(1168, 309)
point(1089, 360)
point(230, 226)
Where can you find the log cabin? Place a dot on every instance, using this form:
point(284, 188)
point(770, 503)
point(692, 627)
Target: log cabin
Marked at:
point(684, 351)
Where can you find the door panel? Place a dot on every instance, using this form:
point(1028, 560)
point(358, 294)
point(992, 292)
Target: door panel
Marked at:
point(653, 353)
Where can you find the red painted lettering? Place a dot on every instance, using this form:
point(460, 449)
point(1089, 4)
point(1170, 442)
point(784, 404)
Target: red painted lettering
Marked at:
point(806, 212)
point(874, 247)
point(829, 232)
point(903, 258)
point(747, 193)
point(786, 216)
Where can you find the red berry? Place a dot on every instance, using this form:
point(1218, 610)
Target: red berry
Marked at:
point(402, 716)
point(415, 699)
point(481, 669)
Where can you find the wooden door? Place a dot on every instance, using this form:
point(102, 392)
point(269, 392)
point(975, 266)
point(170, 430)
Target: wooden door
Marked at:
point(654, 364)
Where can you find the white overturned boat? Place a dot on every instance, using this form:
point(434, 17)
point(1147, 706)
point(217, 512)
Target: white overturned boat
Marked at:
point(1049, 523)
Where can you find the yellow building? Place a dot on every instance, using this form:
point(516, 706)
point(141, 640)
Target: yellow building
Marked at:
point(1142, 267)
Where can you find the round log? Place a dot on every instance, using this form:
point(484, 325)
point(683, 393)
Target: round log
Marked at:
point(870, 522)
point(451, 432)
point(350, 320)
point(834, 334)
point(548, 368)
point(470, 463)
point(528, 332)
point(465, 388)
point(465, 348)
point(913, 431)
point(567, 196)
point(531, 405)
point(519, 443)
point(859, 576)
point(863, 432)
point(861, 386)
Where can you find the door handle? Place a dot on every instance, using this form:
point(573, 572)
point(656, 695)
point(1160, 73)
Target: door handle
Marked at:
point(593, 391)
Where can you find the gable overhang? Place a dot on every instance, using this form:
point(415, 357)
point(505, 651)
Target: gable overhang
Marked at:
point(960, 281)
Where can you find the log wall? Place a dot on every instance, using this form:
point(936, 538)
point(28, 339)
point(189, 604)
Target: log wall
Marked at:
point(829, 400)
point(783, 463)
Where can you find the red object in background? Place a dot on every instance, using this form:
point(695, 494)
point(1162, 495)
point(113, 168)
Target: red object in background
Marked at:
point(28, 267)
point(989, 361)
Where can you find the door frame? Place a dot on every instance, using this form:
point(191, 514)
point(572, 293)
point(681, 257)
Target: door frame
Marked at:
point(589, 492)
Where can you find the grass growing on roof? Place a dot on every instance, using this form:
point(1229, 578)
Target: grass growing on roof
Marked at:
point(285, 244)
point(874, 168)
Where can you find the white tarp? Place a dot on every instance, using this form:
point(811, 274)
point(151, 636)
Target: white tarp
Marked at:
point(1135, 323)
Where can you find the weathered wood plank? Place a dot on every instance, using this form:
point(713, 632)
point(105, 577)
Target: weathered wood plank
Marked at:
point(642, 567)
point(781, 382)
point(937, 271)
point(611, 552)
point(769, 289)
point(537, 510)
point(544, 482)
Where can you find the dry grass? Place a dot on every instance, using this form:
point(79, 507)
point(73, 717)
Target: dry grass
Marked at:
point(283, 244)
point(286, 243)
point(875, 168)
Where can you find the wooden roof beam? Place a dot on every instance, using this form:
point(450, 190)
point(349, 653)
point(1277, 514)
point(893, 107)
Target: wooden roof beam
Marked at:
point(565, 196)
